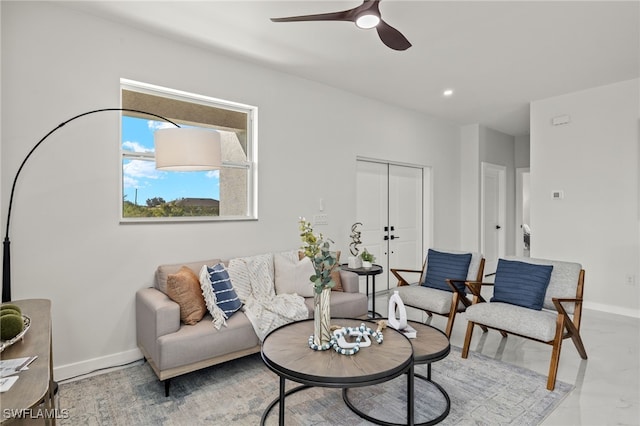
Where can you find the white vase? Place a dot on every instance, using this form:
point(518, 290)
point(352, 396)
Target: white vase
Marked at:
point(354, 262)
point(322, 317)
point(366, 264)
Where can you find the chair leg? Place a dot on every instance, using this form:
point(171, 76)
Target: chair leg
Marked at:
point(575, 336)
point(167, 383)
point(467, 339)
point(555, 354)
point(452, 316)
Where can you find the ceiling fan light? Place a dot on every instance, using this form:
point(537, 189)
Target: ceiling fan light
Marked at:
point(367, 21)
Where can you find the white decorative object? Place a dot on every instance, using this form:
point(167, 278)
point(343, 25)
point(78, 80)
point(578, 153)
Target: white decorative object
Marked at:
point(396, 302)
point(400, 324)
point(354, 262)
point(351, 348)
point(342, 341)
point(366, 264)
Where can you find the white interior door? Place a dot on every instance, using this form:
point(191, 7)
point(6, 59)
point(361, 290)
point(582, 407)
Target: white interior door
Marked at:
point(405, 218)
point(390, 208)
point(493, 211)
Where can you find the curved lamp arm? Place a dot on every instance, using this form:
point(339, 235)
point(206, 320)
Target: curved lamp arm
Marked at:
point(6, 260)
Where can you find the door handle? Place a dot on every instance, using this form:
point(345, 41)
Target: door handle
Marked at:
point(498, 226)
point(393, 237)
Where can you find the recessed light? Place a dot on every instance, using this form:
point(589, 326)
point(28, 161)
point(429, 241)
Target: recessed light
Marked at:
point(448, 93)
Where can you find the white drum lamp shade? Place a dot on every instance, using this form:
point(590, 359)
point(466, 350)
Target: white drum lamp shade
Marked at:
point(187, 149)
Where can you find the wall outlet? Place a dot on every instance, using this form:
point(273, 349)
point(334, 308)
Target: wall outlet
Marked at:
point(321, 219)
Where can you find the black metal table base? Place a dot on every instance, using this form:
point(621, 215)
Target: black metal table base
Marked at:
point(277, 400)
point(434, 421)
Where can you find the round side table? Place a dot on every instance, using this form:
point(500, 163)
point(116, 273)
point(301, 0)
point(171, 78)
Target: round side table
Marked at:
point(368, 272)
point(430, 345)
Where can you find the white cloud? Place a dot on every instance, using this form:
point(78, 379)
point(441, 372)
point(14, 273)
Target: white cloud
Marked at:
point(156, 125)
point(136, 170)
point(130, 182)
point(135, 147)
point(213, 174)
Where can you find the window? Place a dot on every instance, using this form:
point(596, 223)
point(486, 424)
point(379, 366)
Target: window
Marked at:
point(154, 195)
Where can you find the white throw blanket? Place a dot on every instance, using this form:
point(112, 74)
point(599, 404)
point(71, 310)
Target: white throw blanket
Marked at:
point(253, 280)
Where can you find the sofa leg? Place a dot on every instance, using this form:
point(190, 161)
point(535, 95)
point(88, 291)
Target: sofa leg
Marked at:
point(166, 387)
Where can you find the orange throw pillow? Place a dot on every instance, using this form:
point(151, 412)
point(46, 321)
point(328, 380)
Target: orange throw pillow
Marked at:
point(183, 288)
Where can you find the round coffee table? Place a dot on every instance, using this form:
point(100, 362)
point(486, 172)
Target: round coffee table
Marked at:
point(286, 352)
point(430, 345)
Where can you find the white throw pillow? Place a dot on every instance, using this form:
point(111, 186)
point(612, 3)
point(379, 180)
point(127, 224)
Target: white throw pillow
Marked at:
point(292, 275)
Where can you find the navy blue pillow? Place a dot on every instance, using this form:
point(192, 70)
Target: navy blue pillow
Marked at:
point(521, 283)
point(441, 266)
point(226, 297)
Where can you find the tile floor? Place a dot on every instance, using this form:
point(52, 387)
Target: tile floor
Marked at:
point(607, 385)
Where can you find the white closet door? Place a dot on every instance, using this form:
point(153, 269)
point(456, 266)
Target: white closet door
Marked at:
point(390, 208)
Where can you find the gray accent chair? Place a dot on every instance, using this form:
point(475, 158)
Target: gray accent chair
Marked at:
point(435, 301)
point(559, 318)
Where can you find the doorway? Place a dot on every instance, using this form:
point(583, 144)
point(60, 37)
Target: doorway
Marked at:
point(523, 218)
point(390, 205)
point(493, 214)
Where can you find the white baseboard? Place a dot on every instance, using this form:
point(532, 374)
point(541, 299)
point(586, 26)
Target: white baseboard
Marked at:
point(634, 313)
point(69, 371)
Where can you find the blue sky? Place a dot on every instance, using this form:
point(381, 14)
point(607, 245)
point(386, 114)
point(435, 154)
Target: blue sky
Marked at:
point(137, 136)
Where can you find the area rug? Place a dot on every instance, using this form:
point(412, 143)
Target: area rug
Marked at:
point(483, 391)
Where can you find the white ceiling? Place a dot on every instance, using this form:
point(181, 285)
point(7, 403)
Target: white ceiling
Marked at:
point(497, 56)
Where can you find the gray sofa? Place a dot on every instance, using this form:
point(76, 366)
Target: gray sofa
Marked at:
point(173, 348)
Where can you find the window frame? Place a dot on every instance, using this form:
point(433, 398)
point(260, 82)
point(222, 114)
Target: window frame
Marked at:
point(250, 165)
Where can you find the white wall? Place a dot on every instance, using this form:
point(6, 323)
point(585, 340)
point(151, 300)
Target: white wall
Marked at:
point(470, 186)
point(67, 244)
point(594, 160)
point(523, 151)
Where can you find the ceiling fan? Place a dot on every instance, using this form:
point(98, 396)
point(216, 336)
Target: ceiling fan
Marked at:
point(365, 16)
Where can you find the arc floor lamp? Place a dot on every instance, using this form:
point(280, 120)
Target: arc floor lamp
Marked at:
point(177, 149)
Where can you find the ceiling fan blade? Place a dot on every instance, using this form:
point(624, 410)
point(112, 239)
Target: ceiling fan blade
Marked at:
point(333, 16)
point(392, 37)
point(345, 15)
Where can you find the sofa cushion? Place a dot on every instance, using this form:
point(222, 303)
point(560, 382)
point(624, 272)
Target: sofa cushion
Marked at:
point(183, 288)
point(191, 345)
point(521, 283)
point(441, 265)
point(219, 295)
point(292, 275)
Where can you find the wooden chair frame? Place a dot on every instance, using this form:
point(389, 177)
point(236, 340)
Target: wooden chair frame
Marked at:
point(457, 294)
point(566, 327)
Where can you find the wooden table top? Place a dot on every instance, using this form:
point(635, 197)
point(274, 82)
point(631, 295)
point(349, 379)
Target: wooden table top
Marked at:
point(286, 351)
point(430, 343)
point(32, 384)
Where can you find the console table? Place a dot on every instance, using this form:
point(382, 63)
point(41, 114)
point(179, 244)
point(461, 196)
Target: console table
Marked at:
point(34, 385)
point(286, 352)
